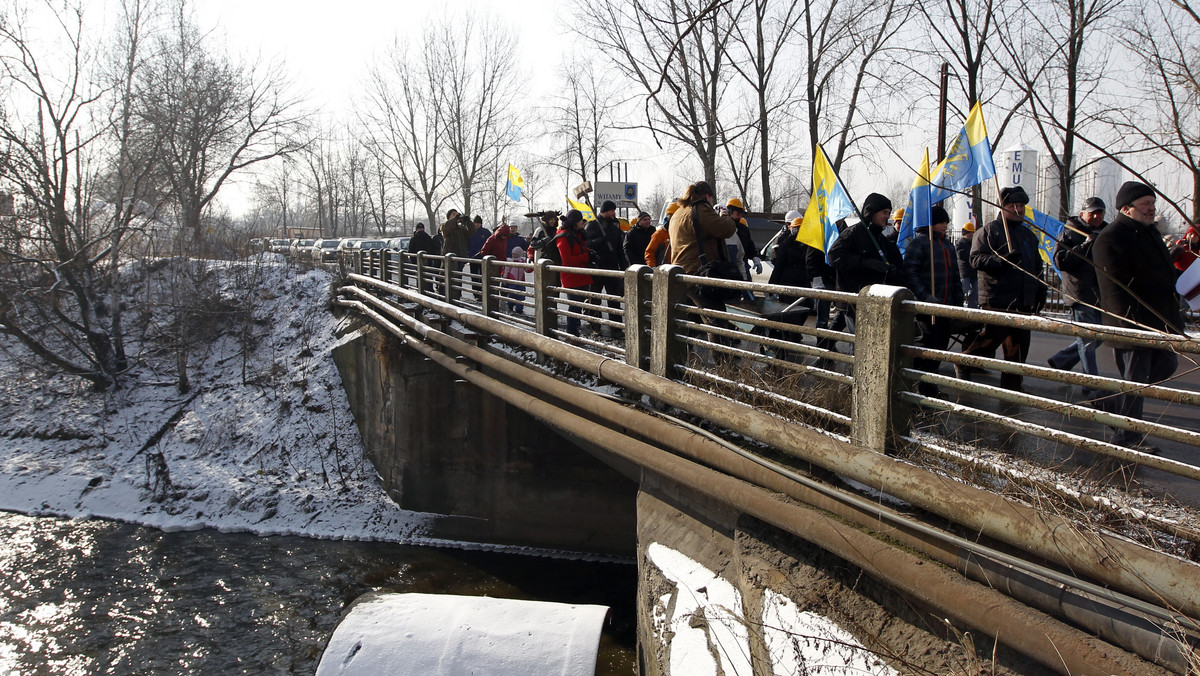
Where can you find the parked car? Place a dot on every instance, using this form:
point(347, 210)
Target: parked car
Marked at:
point(367, 244)
point(281, 246)
point(301, 248)
point(399, 243)
point(325, 250)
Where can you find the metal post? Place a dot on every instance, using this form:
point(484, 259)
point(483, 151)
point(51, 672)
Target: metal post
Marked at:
point(945, 83)
point(449, 266)
point(544, 320)
point(666, 351)
point(882, 328)
point(639, 293)
point(488, 285)
point(420, 287)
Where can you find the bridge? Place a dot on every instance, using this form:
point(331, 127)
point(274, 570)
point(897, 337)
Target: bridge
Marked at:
point(1001, 522)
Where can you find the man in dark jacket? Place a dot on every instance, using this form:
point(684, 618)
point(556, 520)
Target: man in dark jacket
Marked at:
point(421, 242)
point(788, 260)
point(1005, 253)
point(863, 256)
point(638, 238)
point(1137, 290)
point(604, 236)
point(933, 267)
point(970, 278)
point(455, 235)
point(1080, 291)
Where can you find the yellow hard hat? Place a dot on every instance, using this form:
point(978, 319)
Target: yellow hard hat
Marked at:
point(969, 226)
point(797, 222)
point(734, 203)
point(898, 215)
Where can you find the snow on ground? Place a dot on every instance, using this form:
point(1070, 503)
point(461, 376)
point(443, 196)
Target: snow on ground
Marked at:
point(421, 634)
point(703, 617)
point(264, 442)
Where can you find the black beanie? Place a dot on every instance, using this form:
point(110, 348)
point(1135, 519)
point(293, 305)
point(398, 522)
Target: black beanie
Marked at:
point(1130, 191)
point(874, 204)
point(1013, 194)
point(608, 205)
point(939, 215)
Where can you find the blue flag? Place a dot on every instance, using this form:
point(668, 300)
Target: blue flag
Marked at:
point(968, 160)
point(918, 212)
point(1047, 230)
point(515, 184)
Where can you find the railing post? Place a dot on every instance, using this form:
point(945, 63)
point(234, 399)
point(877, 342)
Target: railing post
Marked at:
point(420, 286)
point(881, 328)
point(448, 267)
point(639, 293)
point(488, 283)
point(543, 301)
point(666, 350)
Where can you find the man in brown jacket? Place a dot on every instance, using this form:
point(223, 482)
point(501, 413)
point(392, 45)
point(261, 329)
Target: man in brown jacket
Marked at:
point(696, 214)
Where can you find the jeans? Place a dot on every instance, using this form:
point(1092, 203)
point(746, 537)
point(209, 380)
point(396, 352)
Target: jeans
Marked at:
point(1082, 350)
point(1140, 365)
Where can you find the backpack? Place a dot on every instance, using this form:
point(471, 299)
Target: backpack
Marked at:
point(546, 247)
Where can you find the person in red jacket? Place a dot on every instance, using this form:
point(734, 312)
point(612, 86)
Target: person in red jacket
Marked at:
point(573, 249)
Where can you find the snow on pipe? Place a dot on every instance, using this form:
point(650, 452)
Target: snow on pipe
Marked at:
point(1107, 618)
point(1057, 646)
point(1153, 576)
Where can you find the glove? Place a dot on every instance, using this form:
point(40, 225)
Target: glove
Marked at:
point(757, 265)
point(1013, 257)
point(875, 265)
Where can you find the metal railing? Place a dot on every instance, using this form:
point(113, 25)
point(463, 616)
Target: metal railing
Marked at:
point(858, 385)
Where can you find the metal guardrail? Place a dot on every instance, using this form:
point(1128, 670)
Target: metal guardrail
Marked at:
point(859, 386)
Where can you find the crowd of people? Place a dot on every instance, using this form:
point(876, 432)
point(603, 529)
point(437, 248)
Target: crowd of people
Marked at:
point(1119, 273)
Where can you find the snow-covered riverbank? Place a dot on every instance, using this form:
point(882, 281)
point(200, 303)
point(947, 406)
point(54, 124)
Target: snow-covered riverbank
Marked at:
point(264, 442)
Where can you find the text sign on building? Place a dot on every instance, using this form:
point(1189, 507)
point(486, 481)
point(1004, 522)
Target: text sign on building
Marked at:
point(614, 191)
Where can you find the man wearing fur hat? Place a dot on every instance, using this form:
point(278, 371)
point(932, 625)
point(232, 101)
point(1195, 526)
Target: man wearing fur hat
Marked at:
point(1137, 290)
point(1005, 255)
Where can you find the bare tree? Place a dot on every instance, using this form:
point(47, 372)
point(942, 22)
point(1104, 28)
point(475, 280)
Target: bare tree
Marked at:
point(762, 46)
point(583, 120)
point(53, 120)
point(1057, 51)
point(215, 117)
point(475, 79)
point(403, 123)
point(676, 52)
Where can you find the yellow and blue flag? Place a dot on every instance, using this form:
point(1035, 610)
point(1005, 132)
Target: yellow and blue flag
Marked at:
point(968, 161)
point(515, 184)
point(1048, 231)
point(918, 212)
point(829, 204)
point(588, 214)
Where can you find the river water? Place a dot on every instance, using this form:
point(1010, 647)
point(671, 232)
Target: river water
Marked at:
point(100, 597)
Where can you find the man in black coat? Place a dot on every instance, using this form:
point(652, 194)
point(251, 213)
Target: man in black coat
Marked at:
point(605, 237)
point(1080, 290)
point(1137, 290)
point(637, 239)
point(862, 256)
point(933, 266)
point(1005, 254)
point(421, 242)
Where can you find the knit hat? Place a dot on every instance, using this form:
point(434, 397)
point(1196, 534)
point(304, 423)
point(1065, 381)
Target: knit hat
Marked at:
point(938, 214)
point(1013, 195)
point(608, 205)
point(1130, 191)
point(478, 218)
point(874, 204)
point(420, 226)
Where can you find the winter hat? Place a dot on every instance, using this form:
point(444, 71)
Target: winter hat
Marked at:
point(792, 215)
point(1013, 195)
point(478, 218)
point(1092, 205)
point(608, 205)
point(450, 214)
point(874, 204)
point(939, 215)
point(572, 217)
point(1130, 191)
